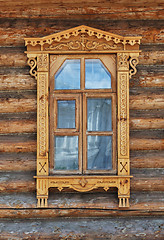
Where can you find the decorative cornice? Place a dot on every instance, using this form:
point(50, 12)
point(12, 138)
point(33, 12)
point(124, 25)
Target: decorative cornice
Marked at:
point(52, 41)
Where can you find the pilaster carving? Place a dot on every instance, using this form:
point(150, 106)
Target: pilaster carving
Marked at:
point(42, 62)
point(42, 114)
point(42, 192)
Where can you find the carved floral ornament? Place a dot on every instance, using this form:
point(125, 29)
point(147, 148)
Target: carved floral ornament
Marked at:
point(86, 40)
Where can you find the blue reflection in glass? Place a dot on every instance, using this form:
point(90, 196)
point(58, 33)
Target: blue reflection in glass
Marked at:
point(66, 114)
point(68, 76)
point(96, 75)
point(66, 153)
point(99, 152)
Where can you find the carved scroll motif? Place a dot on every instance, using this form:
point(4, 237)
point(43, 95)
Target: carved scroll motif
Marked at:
point(81, 45)
point(42, 114)
point(32, 63)
point(133, 63)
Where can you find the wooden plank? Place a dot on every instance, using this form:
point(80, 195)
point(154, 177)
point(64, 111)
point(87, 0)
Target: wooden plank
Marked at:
point(17, 162)
point(112, 10)
point(71, 213)
point(11, 146)
point(151, 31)
point(151, 57)
point(146, 144)
point(17, 81)
point(146, 123)
point(13, 105)
point(147, 79)
point(13, 59)
point(146, 102)
point(18, 126)
point(153, 159)
point(83, 228)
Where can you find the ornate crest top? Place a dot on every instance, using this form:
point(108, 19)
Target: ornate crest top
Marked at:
point(83, 39)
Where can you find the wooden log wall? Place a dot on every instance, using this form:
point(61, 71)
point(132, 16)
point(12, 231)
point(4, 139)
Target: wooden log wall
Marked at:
point(100, 216)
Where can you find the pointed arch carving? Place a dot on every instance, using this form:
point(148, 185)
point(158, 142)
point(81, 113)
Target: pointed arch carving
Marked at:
point(83, 39)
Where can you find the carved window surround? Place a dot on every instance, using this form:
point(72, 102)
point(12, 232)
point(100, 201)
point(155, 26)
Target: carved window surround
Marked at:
point(87, 40)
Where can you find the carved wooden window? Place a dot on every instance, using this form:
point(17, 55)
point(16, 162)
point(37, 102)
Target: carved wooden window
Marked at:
point(73, 136)
point(83, 114)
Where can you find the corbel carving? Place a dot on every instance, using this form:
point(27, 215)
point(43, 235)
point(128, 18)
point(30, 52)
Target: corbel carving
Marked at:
point(32, 62)
point(133, 63)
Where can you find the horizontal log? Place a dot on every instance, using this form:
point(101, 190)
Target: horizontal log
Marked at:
point(13, 59)
point(83, 228)
point(146, 123)
point(27, 161)
point(13, 105)
point(147, 79)
point(142, 101)
point(17, 162)
point(11, 146)
point(70, 213)
point(147, 159)
point(150, 58)
point(19, 59)
point(145, 113)
point(29, 126)
point(18, 126)
point(151, 30)
point(146, 144)
point(15, 144)
point(146, 102)
point(99, 200)
point(79, 228)
point(14, 82)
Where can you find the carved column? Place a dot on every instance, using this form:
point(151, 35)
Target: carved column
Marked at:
point(123, 126)
point(42, 128)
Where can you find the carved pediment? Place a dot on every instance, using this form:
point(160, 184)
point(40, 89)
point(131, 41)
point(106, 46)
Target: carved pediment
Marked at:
point(82, 38)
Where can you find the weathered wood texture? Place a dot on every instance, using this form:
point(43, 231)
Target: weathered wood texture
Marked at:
point(88, 228)
point(19, 19)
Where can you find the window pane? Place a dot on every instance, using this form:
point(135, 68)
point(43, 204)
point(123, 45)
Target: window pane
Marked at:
point(99, 152)
point(99, 114)
point(68, 76)
point(66, 153)
point(66, 114)
point(96, 75)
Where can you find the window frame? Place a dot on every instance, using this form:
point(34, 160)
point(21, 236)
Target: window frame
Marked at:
point(83, 40)
point(110, 60)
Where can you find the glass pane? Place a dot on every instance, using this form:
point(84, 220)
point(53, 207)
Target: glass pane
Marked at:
point(68, 76)
point(66, 153)
point(99, 152)
point(96, 75)
point(66, 114)
point(99, 114)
